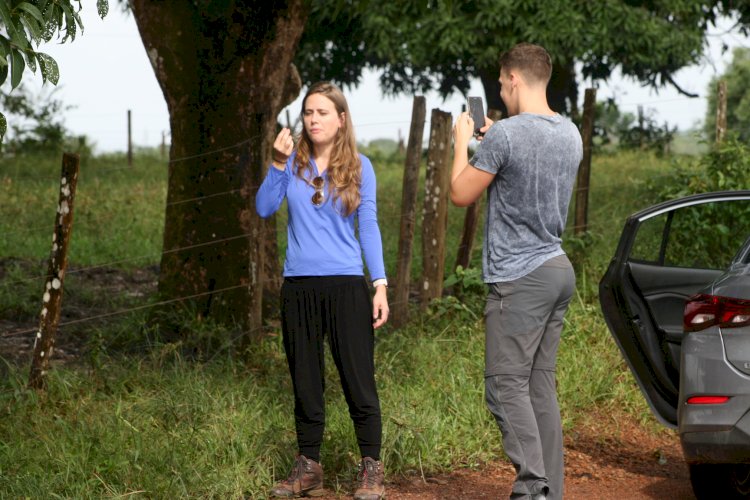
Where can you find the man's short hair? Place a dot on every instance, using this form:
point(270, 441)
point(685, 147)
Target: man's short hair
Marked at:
point(531, 60)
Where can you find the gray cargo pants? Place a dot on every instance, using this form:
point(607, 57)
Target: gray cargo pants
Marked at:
point(524, 319)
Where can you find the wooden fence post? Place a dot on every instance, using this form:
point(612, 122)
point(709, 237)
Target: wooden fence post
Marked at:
point(58, 261)
point(435, 213)
point(471, 221)
point(721, 111)
point(400, 294)
point(130, 142)
point(471, 218)
point(641, 125)
point(584, 170)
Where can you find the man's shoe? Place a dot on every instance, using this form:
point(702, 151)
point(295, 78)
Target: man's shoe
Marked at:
point(305, 480)
point(370, 479)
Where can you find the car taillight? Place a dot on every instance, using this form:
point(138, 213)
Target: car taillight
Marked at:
point(702, 311)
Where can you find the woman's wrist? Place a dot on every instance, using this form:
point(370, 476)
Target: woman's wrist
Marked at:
point(278, 165)
point(380, 282)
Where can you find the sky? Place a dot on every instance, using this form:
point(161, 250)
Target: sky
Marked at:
point(105, 72)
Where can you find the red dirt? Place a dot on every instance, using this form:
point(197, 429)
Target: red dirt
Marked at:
point(607, 458)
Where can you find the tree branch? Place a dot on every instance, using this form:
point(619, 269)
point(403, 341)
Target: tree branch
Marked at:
point(679, 89)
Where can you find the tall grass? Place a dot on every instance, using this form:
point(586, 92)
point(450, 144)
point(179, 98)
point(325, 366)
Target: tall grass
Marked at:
point(189, 419)
point(118, 210)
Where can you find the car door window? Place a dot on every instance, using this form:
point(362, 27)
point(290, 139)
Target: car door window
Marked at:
point(648, 246)
point(704, 236)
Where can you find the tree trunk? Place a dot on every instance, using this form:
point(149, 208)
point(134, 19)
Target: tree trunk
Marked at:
point(562, 90)
point(489, 78)
point(222, 68)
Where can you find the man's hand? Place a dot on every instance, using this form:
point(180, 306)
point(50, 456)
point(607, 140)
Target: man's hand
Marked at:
point(463, 130)
point(467, 183)
point(487, 124)
point(380, 307)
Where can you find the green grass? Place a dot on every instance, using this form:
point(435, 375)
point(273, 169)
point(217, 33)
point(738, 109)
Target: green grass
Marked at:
point(118, 210)
point(191, 419)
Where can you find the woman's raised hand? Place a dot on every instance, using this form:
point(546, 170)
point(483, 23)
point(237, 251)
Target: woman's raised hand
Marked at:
point(282, 148)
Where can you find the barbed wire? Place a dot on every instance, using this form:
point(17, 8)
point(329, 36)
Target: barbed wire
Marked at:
point(120, 312)
point(361, 125)
point(233, 146)
point(252, 187)
point(152, 256)
point(390, 261)
point(129, 310)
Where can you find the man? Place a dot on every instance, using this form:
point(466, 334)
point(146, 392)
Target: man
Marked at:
point(528, 164)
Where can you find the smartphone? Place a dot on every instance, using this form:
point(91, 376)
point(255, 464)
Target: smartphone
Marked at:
point(476, 110)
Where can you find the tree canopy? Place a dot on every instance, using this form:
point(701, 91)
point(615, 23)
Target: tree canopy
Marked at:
point(439, 45)
point(736, 75)
point(26, 25)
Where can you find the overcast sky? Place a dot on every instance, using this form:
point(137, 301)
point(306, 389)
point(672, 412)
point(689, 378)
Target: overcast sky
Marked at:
point(105, 72)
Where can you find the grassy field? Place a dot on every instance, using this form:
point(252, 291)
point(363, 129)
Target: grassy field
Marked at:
point(155, 421)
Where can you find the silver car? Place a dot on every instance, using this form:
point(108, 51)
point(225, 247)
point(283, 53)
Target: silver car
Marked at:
point(676, 298)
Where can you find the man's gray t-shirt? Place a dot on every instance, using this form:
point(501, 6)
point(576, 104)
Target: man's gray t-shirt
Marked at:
point(535, 159)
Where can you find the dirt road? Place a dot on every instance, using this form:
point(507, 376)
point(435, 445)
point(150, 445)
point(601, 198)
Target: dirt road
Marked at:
point(610, 458)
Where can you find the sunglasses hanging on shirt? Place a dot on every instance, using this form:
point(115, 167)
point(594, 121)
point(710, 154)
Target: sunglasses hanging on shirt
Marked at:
point(318, 197)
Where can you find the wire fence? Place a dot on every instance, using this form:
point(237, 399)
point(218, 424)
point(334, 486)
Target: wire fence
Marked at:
point(154, 257)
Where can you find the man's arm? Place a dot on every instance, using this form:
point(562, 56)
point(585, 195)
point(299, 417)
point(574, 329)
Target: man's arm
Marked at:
point(467, 182)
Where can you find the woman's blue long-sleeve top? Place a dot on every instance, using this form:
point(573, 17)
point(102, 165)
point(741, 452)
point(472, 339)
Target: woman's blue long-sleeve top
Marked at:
point(321, 241)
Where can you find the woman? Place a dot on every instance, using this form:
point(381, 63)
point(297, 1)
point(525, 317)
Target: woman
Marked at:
point(328, 184)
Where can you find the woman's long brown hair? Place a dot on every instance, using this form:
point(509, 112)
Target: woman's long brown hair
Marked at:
point(344, 167)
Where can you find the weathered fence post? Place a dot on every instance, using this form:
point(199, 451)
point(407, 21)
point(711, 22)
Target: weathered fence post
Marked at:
point(435, 213)
point(584, 170)
point(130, 142)
point(400, 294)
point(58, 261)
point(721, 111)
point(471, 218)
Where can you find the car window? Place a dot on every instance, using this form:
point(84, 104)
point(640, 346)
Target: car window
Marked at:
point(705, 236)
point(647, 246)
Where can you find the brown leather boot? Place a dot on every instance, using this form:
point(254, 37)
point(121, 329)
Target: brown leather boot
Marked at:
point(370, 480)
point(305, 480)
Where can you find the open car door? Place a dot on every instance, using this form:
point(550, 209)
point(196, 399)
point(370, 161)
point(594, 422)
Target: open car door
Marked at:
point(667, 253)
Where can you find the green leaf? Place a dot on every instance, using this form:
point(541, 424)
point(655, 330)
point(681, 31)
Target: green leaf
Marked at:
point(3, 126)
point(3, 73)
point(17, 68)
point(11, 27)
point(31, 60)
point(5, 13)
point(27, 7)
point(18, 37)
point(50, 71)
point(70, 22)
point(4, 47)
point(102, 7)
point(33, 28)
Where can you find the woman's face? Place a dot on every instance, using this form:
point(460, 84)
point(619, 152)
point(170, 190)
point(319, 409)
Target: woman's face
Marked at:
point(322, 122)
